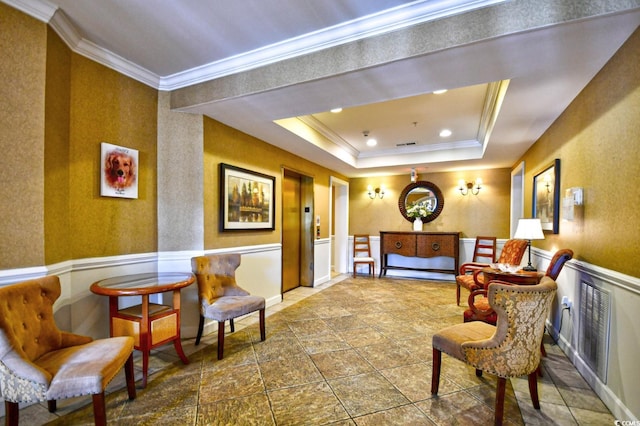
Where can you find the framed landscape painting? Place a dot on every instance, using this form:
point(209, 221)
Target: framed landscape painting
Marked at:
point(546, 197)
point(246, 199)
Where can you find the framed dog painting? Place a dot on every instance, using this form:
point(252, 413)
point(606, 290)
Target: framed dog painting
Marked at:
point(119, 173)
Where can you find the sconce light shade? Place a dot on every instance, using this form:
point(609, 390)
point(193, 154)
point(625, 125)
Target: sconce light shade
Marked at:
point(373, 193)
point(470, 187)
point(529, 229)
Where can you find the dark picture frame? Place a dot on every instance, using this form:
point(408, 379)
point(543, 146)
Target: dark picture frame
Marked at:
point(546, 197)
point(247, 199)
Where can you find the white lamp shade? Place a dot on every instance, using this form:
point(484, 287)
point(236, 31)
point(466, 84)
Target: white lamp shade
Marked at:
point(529, 229)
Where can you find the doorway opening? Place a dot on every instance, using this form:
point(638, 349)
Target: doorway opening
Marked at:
point(339, 225)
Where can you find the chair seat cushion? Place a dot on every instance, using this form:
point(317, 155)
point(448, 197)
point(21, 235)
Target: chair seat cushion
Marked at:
point(468, 282)
point(86, 369)
point(228, 307)
point(482, 304)
point(449, 340)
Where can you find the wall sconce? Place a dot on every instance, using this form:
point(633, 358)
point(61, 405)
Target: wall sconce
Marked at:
point(473, 187)
point(379, 192)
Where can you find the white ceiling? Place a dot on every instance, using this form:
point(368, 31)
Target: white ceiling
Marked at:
point(505, 90)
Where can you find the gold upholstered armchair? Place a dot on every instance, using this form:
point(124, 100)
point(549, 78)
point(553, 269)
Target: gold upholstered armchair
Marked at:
point(511, 348)
point(471, 276)
point(221, 298)
point(38, 362)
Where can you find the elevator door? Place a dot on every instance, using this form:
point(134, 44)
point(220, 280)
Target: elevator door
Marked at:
point(291, 231)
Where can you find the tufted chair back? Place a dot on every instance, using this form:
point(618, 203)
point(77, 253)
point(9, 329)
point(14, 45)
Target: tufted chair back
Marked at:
point(26, 317)
point(512, 252)
point(216, 276)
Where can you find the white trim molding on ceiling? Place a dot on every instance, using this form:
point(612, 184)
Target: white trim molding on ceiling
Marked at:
point(393, 19)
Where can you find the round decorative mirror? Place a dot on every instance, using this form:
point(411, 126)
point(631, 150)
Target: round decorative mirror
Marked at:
point(424, 194)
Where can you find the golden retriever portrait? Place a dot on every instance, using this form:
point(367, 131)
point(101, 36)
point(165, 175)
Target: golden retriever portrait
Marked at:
point(119, 170)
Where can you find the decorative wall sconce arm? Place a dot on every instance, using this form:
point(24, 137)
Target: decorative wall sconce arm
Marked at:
point(470, 187)
point(377, 192)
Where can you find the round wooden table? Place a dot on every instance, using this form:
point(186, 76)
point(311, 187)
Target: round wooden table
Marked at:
point(150, 324)
point(519, 277)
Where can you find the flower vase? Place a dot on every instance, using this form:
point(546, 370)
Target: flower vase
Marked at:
point(417, 224)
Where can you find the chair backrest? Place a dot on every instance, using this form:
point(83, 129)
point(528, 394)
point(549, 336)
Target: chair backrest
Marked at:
point(512, 252)
point(361, 246)
point(514, 349)
point(216, 274)
point(557, 262)
point(26, 317)
point(485, 250)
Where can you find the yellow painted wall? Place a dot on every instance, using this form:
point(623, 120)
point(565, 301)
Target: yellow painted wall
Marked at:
point(484, 214)
point(223, 144)
point(107, 106)
point(22, 76)
point(57, 243)
point(597, 140)
point(57, 107)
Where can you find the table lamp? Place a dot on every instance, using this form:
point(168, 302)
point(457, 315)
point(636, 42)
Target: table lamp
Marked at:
point(529, 229)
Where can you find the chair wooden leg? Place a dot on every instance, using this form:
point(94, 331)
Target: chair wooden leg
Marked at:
point(130, 377)
point(51, 405)
point(220, 339)
point(435, 371)
point(263, 334)
point(11, 413)
point(543, 351)
point(457, 294)
point(233, 327)
point(99, 409)
point(502, 384)
point(200, 327)
point(533, 389)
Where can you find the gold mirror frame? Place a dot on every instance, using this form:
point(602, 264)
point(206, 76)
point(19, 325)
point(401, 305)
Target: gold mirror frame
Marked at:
point(416, 190)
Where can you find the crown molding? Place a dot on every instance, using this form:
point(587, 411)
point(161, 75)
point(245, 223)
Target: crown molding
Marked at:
point(394, 19)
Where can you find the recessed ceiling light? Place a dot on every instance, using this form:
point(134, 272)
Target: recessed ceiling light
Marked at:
point(336, 110)
point(372, 142)
point(439, 92)
point(445, 133)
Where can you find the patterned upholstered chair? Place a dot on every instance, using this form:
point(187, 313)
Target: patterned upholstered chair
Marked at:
point(511, 348)
point(471, 276)
point(221, 298)
point(38, 362)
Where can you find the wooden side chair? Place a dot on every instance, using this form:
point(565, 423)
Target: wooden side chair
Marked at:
point(511, 348)
point(471, 276)
point(362, 253)
point(221, 298)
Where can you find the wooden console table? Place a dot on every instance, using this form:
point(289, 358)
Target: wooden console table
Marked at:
point(419, 244)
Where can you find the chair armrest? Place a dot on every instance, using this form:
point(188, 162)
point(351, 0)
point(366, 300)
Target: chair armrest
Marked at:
point(470, 267)
point(482, 312)
point(70, 339)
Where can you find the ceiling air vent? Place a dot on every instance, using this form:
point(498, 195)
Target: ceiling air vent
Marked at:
point(406, 144)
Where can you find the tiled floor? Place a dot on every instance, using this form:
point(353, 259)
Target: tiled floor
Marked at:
point(351, 352)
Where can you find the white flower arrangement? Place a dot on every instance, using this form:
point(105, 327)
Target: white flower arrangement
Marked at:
point(418, 210)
